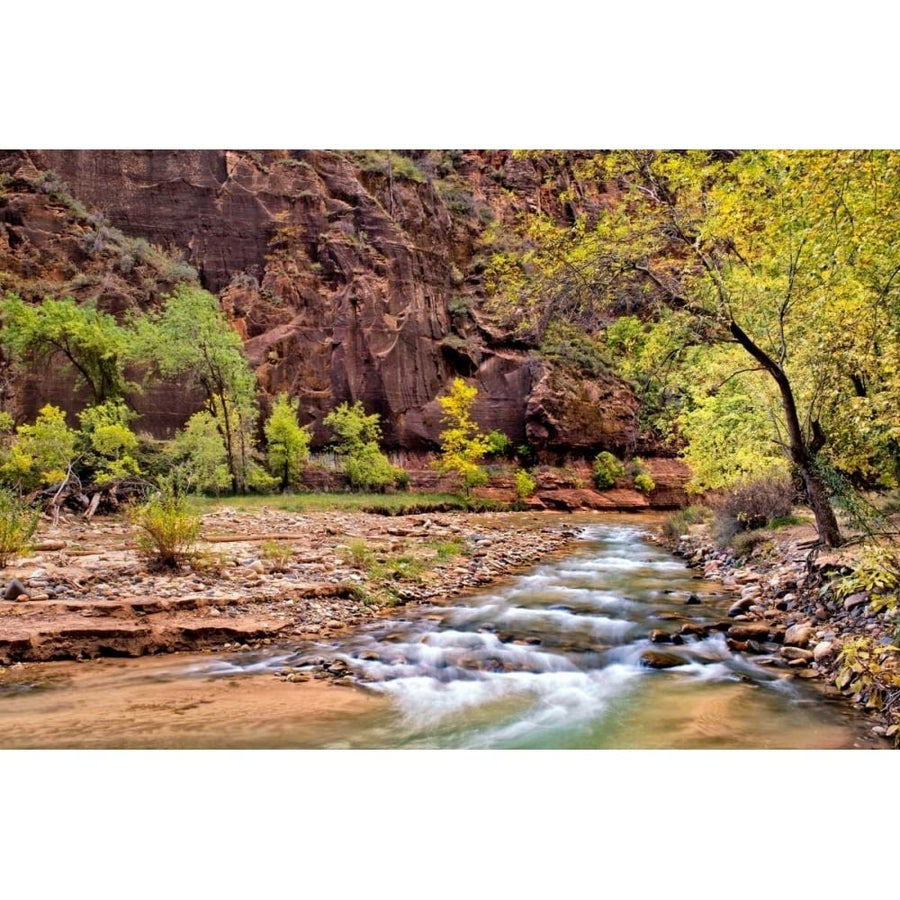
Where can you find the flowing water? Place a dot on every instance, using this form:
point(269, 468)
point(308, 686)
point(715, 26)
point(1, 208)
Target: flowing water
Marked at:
point(550, 659)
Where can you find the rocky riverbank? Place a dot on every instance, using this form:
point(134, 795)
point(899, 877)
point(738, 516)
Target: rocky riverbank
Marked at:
point(788, 615)
point(257, 578)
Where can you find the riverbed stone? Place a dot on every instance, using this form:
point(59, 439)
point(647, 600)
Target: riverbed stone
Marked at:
point(798, 635)
point(797, 653)
point(653, 659)
point(746, 631)
point(14, 589)
point(739, 606)
point(855, 600)
point(823, 650)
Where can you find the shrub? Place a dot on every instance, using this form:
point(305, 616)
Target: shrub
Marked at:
point(746, 543)
point(197, 458)
point(498, 443)
point(869, 673)
point(640, 476)
point(525, 484)
point(607, 469)
point(169, 530)
point(878, 574)
point(678, 523)
point(278, 553)
point(110, 442)
point(356, 440)
point(18, 523)
point(752, 505)
point(357, 553)
point(42, 452)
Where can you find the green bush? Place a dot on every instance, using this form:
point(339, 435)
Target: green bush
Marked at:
point(498, 443)
point(169, 530)
point(357, 553)
point(607, 470)
point(278, 553)
point(525, 484)
point(18, 523)
point(640, 476)
point(356, 440)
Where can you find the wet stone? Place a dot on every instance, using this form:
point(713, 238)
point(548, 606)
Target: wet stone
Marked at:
point(653, 659)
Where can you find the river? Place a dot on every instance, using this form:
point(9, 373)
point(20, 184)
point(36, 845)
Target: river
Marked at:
point(551, 658)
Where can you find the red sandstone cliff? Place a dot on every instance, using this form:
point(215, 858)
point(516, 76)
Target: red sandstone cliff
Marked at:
point(350, 275)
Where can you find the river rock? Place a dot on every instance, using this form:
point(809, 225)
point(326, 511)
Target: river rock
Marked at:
point(854, 600)
point(653, 659)
point(14, 589)
point(698, 629)
point(823, 650)
point(797, 653)
point(798, 635)
point(658, 636)
point(740, 606)
point(747, 631)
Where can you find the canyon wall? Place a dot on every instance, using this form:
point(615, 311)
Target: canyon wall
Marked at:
point(351, 275)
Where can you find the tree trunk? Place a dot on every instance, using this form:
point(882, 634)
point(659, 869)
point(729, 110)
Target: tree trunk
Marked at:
point(802, 455)
point(826, 522)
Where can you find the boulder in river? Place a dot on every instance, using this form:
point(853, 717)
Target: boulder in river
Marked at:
point(749, 631)
point(653, 659)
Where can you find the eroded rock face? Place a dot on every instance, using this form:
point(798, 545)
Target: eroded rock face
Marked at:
point(339, 277)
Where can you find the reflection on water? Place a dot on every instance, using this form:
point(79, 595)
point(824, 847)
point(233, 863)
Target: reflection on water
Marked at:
point(552, 659)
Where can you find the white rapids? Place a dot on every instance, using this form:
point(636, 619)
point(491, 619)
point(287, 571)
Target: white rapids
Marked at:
point(554, 659)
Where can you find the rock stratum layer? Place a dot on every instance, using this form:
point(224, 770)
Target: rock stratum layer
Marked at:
point(349, 275)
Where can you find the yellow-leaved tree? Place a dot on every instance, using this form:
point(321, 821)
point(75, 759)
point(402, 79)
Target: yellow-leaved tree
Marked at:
point(462, 444)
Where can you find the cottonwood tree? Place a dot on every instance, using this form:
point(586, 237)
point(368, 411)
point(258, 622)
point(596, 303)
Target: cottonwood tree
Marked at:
point(790, 256)
point(463, 445)
point(192, 338)
point(287, 443)
point(92, 342)
point(357, 440)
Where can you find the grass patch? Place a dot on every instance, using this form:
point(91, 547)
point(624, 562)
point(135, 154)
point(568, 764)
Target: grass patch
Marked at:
point(357, 553)
point(786, 521)
point(399, 568)
point(278, 553)
point(398, 504)
point(447, 550)
point(679, 523)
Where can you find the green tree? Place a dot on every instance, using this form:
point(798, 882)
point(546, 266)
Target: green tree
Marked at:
point(192, 338)
point(198, 458)
point(41, 453)
point(357, 440)
point(110, 443)
point(287, 442)
point(789, 256)
point(92, 342)
point(463, 445)
point(18, 523)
